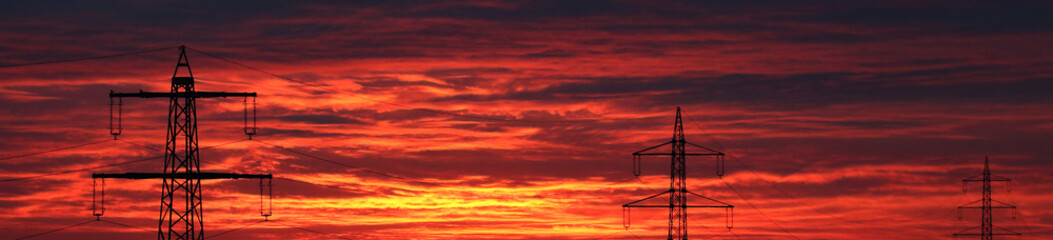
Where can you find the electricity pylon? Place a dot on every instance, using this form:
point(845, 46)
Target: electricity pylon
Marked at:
point(181, 214)
point(677, 183)
point(986, 225)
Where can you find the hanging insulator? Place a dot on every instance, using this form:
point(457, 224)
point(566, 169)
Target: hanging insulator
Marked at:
point(268, 211)
point(636, 165)
point(97, 211)
point(625, 217)
point(115, 130)
point(729, 217)
point(720, 166)
point(250, 130)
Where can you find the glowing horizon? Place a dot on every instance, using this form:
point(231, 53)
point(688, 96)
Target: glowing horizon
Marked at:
point(516, 120)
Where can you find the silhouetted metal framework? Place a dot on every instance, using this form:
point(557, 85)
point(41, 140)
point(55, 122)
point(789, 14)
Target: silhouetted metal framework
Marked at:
point(181, 204)
point(986, 224)
point(677, 183)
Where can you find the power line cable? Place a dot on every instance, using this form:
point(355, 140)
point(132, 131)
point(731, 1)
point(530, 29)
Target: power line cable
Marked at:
point(107, 165)
point(309, 230)
point(81, 169)
point(379, 173)
point(631, 233)
point(404, 106)
point(87, 58)
point(227, 143)
point(734, 234)
point(773, 186)
point(758, 210)
point(255, 69)
point(795, 199)
point(54, 230)
point(694, 221)
point(126, 225)
point(235, 229)
point(618, 181)
point(140, 145)
point(54, 150)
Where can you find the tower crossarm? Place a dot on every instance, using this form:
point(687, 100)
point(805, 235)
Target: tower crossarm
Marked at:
point(981, 234)
point(1003, 203)
point(635, 204)
point(632, 204)
point(1008, 232)
point(651, 148)
point(688, 206)
point(201, 175)
point(194, 94)
point(991, 207)
point(967, 233)
point(688, 154)
point(714, 200)
point(981, 179)
point(706, 148)
point(645, 153)
point(980, 201)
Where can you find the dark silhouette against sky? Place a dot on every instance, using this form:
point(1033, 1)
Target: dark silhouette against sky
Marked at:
point(515, 120)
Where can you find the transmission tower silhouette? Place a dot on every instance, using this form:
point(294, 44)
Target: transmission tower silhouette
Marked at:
point(986, 225)
point(677, 183)
point(181, 214)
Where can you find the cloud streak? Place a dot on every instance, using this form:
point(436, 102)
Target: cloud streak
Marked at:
point(516, 120)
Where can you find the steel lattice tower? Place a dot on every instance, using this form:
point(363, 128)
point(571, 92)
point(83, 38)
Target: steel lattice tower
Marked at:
point(986, 223)
point(677, 182)
point(181, 214)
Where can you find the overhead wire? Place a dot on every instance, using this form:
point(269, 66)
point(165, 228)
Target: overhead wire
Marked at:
point(758, 210)
point(631, 233)
point(106, 165)
point(140, 145)
point(55, 150)
point(54, 230)
point(755, 172)
point(1016, 212)
point(277, 146)
point(226, 143)
point(82, 223)
point(704, 227)
point(235, 229)
point(126, 225)
point(734, 234)
point(780, 190)
point(667, 199)
point(618, 181)
point(80, 169)
point(87, 58)
point(736, 191)
point(310, 156)
point(404, 106)
point(297, 152)
point(308, 230)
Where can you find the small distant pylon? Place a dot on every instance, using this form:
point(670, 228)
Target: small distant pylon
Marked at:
point(986, 225)
point(678, 183)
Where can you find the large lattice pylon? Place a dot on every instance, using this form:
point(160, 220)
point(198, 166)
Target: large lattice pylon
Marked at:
point(677, 182)
point(181, 216)
point(987, 228)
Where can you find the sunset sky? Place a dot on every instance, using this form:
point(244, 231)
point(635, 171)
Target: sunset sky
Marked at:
point(517, 119)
